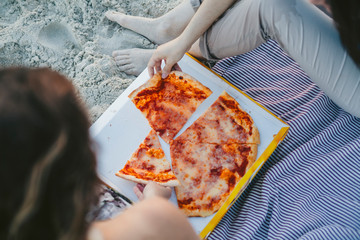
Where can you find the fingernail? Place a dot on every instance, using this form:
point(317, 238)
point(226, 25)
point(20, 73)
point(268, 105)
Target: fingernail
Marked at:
point(163, 75)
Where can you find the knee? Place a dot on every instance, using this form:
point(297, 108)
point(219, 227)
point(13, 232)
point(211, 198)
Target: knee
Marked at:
point(275, 14)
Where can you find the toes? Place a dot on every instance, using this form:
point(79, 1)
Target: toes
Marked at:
point(120, 53)
point(129, 69)
point(125, 67)
point(110, 15)
point(133, 71)
point(132, 61)
point(122, 60)
point(117, 17)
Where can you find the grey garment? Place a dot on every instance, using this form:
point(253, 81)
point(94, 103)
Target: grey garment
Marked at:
point(302, 30)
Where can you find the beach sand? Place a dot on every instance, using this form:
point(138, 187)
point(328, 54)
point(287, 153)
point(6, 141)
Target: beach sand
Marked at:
point(75, 38)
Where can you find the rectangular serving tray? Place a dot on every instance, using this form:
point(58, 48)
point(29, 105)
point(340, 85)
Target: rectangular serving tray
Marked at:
point(121, 128)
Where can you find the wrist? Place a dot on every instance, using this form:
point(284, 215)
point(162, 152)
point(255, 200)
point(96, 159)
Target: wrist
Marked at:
point(183, 43)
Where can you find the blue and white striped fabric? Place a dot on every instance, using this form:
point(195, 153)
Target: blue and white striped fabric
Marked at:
point(310, 187)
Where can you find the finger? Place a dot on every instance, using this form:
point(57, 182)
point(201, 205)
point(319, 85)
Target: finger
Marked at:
point(140, 186)
point(166, 70)
point(138, 193)
point(150, 66)
point(151, 184)
point(154, 65)
point(151, 71)
point(158, 68)
point(154, 189)
point(167, 192)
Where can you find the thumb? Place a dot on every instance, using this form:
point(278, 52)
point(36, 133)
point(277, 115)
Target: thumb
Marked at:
point(166, 70)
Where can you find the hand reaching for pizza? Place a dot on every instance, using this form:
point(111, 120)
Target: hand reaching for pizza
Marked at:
point(150, 190)
point(171, 52)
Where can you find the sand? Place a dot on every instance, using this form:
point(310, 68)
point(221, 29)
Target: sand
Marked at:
point(75, 38)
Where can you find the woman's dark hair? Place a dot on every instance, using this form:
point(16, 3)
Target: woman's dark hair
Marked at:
point(48, 177)
point(346, 14)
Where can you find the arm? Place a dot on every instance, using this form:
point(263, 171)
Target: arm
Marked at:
point(153, 218)
point(174, 50)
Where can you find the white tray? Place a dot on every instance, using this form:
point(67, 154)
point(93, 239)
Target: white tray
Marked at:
point(122, 127)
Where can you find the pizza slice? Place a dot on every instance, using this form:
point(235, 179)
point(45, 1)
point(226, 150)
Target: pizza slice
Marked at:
point(212, 155)
point(222, 123)
point(148, 163)
point(208, 173)
point(168, 103)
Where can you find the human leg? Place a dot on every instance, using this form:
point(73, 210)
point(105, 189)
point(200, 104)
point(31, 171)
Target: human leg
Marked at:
point(311, 39)
point(303, 31)
point(161, 29)
point(195, 50)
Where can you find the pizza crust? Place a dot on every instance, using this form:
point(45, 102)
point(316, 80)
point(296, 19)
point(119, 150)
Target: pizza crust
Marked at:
point(252, 155)
point(156, 79)
point(194, 82)
point(233, 108)
point(152, 82)
point(170, 183)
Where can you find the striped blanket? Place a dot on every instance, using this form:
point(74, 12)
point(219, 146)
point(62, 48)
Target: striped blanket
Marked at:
point(310, 186)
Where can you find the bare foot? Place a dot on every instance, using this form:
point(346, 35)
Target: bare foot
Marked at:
point(154, 29)
point(132, 61)
point(120, 18)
